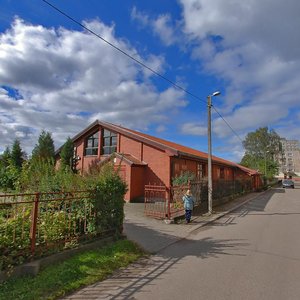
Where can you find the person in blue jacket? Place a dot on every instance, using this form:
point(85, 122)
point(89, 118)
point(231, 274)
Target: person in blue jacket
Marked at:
point(188, 203)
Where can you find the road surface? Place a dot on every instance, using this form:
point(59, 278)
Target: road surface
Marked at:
point(253, 253)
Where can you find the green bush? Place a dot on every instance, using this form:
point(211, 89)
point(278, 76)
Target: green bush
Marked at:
point(108, 199)
point(14, 237)
point(62, 222)
point(183, 178)
point(9, 177)
point(41, 176)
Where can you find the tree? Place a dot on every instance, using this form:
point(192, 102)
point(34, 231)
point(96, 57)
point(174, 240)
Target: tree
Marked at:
point(67, 153)
point(5, 158)
point(262, 141)
point(262, 147)
point(44, 150)
point(17, 155)
point(10, 167)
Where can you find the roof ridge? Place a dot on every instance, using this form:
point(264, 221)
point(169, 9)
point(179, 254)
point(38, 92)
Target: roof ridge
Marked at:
point(144, 135)
point(174, 148)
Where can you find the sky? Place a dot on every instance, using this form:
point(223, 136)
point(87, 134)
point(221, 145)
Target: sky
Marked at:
point(57, 76)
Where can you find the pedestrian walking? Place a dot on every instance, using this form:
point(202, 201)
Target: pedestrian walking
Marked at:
point(188, 203)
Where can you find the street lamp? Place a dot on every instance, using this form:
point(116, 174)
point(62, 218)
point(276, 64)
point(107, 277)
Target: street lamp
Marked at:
point(209, 150)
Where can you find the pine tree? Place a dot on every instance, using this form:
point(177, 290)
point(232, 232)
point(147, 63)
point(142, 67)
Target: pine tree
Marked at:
point(67, 153)
point(44, 150)
point(17, 155)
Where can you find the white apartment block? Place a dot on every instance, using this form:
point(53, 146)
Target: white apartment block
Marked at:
point(290, 161)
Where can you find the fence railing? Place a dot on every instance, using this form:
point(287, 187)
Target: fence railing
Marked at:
point(156, 201)
point(161, 202)
point(40, 223)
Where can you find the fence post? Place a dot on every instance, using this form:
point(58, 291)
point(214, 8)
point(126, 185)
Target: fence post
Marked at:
point(168, 199)
point(34, 222)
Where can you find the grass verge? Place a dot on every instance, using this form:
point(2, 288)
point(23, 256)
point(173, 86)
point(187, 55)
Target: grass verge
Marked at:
point(80, 270)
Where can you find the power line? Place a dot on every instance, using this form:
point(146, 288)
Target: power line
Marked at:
point(137, 61)
point(123, 52)
point(227, 124)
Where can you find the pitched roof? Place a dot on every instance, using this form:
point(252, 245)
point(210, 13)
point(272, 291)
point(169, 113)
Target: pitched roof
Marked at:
point(173, 149)
point(177, 148)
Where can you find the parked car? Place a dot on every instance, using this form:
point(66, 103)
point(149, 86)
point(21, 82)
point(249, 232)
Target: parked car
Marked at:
point(286, 183)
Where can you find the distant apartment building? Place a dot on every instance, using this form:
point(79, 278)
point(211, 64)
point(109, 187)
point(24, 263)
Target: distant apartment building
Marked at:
point(290, 162)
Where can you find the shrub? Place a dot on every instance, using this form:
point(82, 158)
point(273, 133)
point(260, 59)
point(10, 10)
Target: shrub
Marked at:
point(183, 178)
point(14, 237)
point(109, 198)
point(61, 221)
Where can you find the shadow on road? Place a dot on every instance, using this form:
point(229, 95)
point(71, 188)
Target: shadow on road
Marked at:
point(172, 246)
point(258, 204)
point(145, 273)
point(171, 251)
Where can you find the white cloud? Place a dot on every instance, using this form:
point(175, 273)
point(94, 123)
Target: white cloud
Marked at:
point(193, 129)
point(65, 79)
point(161, 128)
point(162, 26)
point(244, 118)
point(253, 46)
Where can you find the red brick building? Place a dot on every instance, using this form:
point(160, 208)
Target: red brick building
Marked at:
point(145, 159)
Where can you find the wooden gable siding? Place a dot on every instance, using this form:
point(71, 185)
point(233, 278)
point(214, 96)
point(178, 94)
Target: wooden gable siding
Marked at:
point(180, 165)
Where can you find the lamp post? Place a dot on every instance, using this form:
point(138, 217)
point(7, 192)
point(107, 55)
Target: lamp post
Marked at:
point(267, 151)
point(209, 150)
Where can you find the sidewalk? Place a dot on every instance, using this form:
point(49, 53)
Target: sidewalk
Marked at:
point(154, 236)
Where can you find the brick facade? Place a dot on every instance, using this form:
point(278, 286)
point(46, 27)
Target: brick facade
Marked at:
point(143, 159)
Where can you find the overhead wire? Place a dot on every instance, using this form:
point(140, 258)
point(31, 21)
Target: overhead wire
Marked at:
point(227, 123)
point(137, 61)
point(123, 52)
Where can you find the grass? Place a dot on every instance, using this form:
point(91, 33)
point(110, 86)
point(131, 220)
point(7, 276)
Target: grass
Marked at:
point(80, 270)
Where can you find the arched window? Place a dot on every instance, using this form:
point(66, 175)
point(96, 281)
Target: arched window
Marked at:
point(91, 144)
point(109, 142)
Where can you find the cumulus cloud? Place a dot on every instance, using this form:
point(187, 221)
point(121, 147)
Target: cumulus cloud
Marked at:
point(162, 26)
point(193, 129)
point(63, 79)
point(253, 46)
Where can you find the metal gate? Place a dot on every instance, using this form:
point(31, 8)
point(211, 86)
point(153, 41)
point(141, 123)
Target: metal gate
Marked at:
point(162, 202)
point(156, 201)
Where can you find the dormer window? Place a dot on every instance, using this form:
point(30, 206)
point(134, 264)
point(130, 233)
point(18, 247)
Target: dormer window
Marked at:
point(91, 146)
point(109, 142)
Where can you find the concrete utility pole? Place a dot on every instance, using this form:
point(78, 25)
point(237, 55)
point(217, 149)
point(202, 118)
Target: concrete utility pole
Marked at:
point(210, 188)
point(267, 151)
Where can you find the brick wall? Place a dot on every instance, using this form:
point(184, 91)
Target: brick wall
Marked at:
point(158, 171)
point(130, 146)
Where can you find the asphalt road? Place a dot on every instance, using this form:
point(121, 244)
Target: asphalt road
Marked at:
point(252, 253)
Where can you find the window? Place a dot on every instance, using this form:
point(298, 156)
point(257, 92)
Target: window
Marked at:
point(199, 171)
point(109, 142)
point(91, 146)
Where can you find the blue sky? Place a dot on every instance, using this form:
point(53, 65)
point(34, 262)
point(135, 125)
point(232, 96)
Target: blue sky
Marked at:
point(56, 76)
